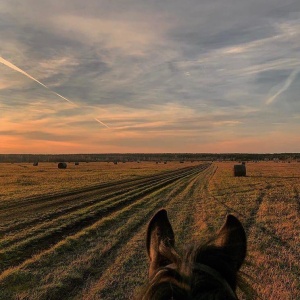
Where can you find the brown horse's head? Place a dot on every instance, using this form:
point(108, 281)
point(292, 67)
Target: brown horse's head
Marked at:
point(204, 272)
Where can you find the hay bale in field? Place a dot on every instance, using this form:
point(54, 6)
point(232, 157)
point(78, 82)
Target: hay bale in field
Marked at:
point(239, 170)
point(62, 165)
point(35, 164)
point(115, 162)
point(77, 163)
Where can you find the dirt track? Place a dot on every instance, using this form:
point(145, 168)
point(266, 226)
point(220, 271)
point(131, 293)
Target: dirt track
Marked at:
point(90, 243)
point(37, 227)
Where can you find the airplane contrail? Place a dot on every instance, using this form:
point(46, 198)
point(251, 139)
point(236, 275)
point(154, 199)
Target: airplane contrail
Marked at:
point(286, 85)
point(101, 122)
point(15, 68)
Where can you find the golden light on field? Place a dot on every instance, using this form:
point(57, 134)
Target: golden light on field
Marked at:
point(50, 243)
point(120, 84)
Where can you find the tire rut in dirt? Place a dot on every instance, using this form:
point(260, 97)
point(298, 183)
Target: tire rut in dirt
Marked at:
point(13, 257)
point(23, 202)
point(182, 201)
point(83, 203)
point(102, 262)
point(88, 204)
point(44, 219)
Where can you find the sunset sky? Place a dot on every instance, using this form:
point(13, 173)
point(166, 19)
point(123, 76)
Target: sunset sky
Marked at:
point(101, 76)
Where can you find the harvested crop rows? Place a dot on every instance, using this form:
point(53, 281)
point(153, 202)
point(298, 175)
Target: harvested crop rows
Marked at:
point(96, 220)
point(89, 242)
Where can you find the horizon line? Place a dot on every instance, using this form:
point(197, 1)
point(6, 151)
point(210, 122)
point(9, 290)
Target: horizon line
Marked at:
point(155, 153)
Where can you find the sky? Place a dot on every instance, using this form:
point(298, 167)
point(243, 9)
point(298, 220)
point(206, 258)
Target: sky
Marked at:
point(151, 76)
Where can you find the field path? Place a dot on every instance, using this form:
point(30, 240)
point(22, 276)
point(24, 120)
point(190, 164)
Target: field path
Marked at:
point(89, 243)
point(128, 271)
point(74, 237)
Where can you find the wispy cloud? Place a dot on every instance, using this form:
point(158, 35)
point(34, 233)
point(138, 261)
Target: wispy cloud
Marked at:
point(180, 76)
point(12, 66)
point(286, 85)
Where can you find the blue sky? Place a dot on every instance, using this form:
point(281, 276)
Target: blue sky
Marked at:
point(149, 76)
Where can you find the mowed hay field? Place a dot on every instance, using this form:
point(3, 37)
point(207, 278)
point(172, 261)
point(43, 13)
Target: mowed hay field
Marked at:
point(79, 233)
point(21, 180)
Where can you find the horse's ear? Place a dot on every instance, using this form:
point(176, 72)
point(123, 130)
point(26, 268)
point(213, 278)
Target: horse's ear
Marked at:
point(160, 241)
point(232, 238)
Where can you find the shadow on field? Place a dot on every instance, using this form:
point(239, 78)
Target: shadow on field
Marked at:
point(262, 228)
point(278, 177)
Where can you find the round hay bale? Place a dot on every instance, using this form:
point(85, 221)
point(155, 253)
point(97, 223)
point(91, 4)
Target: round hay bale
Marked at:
point(239, 170)
point(62, 165)
point(35, 164)
point(77, 163)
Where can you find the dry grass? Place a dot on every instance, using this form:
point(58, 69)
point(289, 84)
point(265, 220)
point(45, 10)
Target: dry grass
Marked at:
point(23, 179)
point(103, 257)
point(268, 202)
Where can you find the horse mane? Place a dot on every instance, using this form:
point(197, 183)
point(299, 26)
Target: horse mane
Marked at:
point(206, 271)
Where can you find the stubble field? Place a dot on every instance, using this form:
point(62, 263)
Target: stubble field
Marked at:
point(79, 233)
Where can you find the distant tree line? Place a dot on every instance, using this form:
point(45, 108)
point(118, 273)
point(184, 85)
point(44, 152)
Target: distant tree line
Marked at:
point(158, 157)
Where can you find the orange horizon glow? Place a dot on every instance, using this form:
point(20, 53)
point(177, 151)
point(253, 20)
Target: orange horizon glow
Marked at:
point(148, 81)
point(17, 145)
